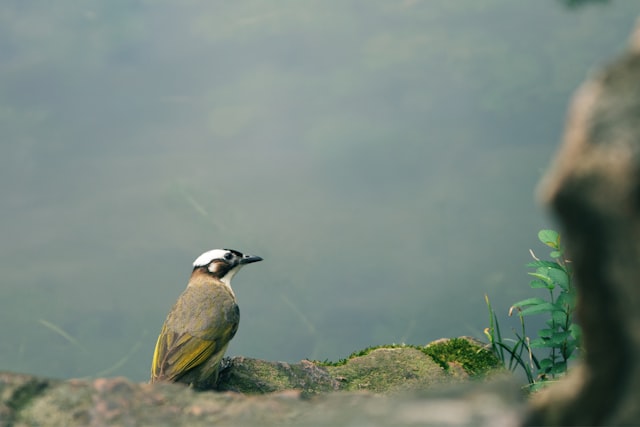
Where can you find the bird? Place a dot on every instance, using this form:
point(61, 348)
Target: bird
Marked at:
point(202, 322)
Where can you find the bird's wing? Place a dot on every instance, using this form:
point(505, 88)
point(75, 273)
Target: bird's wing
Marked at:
point(177, 353)
point(193, 333)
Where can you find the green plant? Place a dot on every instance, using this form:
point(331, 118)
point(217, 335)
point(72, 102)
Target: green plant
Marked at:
point(559, 341)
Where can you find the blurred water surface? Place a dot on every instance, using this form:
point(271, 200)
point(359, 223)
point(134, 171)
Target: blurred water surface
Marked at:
point(380, 156)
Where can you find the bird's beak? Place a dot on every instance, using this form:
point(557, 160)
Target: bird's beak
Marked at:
point(248, 259)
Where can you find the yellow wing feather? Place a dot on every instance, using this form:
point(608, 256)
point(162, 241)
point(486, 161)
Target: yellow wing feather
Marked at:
point(176, 354)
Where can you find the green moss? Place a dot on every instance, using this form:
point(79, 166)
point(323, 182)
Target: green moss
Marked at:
point(363, 352)
point(389, 369)
point(474, 359)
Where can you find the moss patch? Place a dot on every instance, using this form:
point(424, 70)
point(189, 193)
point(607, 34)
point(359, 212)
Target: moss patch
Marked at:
point(361, 353)
point(388, 369)
point(471, 355)
point(474, 358)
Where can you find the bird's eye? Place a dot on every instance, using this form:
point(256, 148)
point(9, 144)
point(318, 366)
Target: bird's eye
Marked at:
point(228, 256)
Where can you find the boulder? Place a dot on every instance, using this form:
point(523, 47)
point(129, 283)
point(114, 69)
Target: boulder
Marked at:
point(384, 369)
point(368, 387)
point(30, 401)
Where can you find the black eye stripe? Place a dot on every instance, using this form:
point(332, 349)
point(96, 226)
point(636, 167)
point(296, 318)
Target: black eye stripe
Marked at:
point(233, 251)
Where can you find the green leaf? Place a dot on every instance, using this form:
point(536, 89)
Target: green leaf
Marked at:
point(570, 349)
point(541, 263)
point(566, 301)
point(559, 277)
point(546, 364)
point(559, 338)
point(555, 345)
point(528, 301)
point(537, 284)
point(555, 254)
point(559, 316)
point(550, 238)
point(545, 333)
point(538, 343)
point(544, 278)
point(544, 307)
point(570, 352)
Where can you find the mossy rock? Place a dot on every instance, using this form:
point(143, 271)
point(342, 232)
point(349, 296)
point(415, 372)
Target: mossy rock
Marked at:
point(389, 369)
point(382, 369)
point(474, 357)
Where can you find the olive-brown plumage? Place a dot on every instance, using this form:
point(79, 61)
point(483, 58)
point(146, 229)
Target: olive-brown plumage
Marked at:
point(201, 323)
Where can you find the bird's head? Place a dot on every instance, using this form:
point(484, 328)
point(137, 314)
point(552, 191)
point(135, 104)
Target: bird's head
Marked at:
point(223, 264)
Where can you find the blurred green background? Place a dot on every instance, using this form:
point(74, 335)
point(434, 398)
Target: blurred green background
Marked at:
point(382, 157)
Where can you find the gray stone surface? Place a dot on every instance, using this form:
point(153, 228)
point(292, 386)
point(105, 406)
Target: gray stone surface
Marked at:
point(271, 393)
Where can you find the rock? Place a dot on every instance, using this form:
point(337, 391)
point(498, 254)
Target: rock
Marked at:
point(390, 370)
point(594, 189)
point(254, 376)
point(277, 393)
point(17, 391)
point(119, 402)
point(382, 369)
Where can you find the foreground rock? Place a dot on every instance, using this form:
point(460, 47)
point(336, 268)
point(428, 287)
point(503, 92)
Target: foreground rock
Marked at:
point(296, 393)
point(29, 401)
point(594, 188)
